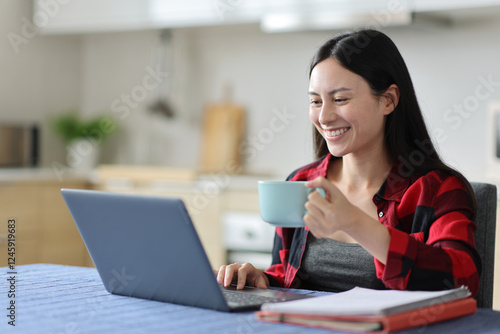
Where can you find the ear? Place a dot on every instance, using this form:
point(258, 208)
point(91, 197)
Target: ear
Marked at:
point(391, 96)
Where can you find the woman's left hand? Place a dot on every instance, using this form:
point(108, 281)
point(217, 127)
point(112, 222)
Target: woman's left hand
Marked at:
point(329, 214)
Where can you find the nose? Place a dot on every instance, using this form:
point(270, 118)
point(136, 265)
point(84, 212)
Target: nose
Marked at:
point(327, 114)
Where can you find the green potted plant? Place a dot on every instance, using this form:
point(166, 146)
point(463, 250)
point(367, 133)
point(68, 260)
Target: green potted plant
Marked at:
point(82, 137)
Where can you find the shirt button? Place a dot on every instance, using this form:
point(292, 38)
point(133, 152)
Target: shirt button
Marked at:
point(380, 214)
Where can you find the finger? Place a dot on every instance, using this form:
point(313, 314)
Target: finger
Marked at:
point(262, 282)
point(314, 195)
point(328, 187)
point(315, 183)
point(220, 274)
point(310, 222)
point(317, 236)
point(229, 273)
point(242, 278)
point(255, 277)
point(314, 226)
point(320, 206)
point(315, 211)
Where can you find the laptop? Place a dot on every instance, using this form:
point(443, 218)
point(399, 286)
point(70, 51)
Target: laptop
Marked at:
point(147, 247)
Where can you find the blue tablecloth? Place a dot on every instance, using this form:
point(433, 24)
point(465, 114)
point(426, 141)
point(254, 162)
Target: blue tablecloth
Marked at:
point(71, 300)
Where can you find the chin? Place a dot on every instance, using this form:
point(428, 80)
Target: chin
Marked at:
point(336, 153)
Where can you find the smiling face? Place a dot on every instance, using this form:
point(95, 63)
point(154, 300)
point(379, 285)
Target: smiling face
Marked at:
point(345, 112)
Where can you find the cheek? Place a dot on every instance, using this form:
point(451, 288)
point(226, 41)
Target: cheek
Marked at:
point(314, 115)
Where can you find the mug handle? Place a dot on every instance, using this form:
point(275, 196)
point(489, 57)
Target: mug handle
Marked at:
point(310, 190)
point(321, 191)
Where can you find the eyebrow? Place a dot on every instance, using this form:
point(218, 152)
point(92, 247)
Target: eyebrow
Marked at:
point(333, 91)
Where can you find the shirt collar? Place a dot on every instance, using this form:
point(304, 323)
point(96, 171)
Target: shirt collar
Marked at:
point(319, 168)
point(395, 184)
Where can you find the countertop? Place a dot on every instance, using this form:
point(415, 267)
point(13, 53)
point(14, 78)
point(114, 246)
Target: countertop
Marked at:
point(169, 178)
point(133, 177)
point(19, 175)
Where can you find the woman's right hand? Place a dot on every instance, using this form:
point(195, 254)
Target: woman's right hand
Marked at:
point(242, 274)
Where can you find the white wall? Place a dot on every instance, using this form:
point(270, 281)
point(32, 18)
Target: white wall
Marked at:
point(267, 73)
point(448, 65)
point(115, 67)
point(40, 76)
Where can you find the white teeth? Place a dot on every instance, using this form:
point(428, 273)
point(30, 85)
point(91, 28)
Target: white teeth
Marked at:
point(336, 133)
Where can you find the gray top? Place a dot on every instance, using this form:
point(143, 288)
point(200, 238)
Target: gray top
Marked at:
point(331, 265)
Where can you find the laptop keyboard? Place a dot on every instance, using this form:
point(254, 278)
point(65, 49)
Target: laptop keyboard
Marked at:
point(242, 298)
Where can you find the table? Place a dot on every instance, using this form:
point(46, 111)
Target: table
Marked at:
point(60, 299)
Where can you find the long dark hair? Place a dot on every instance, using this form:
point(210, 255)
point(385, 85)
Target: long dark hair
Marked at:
point(374, 56)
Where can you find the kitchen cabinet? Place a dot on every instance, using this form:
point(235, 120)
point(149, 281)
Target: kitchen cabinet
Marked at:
point(45, 231)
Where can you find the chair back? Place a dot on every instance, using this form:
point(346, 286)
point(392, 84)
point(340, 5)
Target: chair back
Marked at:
point(486, 197)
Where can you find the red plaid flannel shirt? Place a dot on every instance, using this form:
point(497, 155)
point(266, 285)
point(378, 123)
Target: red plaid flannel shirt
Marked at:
point(429, 219)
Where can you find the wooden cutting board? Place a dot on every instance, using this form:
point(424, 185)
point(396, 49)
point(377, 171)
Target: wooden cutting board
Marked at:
point(223, 128)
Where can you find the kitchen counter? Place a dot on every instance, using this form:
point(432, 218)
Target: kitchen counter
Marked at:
point(18, 175)
point(133, 177)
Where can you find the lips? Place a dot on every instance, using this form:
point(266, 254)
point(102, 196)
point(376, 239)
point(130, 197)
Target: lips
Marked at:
point(336, 132)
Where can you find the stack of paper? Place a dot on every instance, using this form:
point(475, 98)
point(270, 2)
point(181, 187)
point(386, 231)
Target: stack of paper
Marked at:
point(367, 310)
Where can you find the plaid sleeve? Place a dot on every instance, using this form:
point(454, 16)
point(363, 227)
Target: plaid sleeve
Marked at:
point(433, 246)
point(276, 272)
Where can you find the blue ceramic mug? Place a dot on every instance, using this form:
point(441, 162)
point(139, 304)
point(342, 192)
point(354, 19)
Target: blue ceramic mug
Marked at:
point(281, 203)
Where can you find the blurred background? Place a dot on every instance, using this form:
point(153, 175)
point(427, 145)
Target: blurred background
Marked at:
point(87, 56)
point(201, 98)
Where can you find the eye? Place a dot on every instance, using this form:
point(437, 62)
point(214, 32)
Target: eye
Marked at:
point(315, 102)
point(340, 100)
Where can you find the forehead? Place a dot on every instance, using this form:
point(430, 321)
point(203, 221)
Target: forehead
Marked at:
point(329, 74)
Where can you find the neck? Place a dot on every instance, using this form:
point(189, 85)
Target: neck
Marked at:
point(362, 172)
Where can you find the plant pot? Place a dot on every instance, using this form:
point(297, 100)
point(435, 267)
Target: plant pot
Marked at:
point(82, 154)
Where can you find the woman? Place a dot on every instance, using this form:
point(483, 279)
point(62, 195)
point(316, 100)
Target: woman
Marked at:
point(394, 215)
